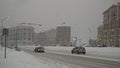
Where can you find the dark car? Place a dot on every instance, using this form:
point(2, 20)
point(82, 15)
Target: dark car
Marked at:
point(40, 49)
point(78, 50)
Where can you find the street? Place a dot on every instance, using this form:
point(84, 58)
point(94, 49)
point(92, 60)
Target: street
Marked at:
point(76, 60)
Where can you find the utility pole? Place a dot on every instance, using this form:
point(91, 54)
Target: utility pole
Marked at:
point(5, 34)
point(4, 19)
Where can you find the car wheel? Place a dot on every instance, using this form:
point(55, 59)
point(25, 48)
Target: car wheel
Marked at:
point(72, 52)
point(84, 53)
point(78, 52)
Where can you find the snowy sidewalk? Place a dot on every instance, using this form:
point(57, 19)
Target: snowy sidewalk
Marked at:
point(21, 59)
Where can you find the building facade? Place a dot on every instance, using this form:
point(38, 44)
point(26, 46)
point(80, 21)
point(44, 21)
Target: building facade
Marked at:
point(100, 35)
point(59, 36)
point(42, 38)
point(23, 34)
point(63, 35)
point(36, 38)
point(51, 37)
point(111, 27)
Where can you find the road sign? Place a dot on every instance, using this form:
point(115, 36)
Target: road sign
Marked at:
point(5, 31)
point(74, 39)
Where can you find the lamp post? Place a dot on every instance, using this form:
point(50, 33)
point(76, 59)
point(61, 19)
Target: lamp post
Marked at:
point(4, 32)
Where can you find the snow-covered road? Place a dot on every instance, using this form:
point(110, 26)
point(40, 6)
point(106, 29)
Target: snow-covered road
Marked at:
point(21, 59)
point(103, 52)
point(63, 54)
point(111, 53)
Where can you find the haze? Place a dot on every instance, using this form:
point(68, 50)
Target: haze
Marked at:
point(81, 15)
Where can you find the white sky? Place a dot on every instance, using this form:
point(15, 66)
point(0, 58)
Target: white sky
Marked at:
point(81, 15)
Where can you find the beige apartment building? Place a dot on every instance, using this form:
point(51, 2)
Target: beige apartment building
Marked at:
point(109, 32)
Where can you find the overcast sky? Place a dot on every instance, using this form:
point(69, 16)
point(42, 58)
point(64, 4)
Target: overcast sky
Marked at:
point(81, 15)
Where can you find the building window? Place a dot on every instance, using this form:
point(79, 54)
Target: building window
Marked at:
point(29, 38)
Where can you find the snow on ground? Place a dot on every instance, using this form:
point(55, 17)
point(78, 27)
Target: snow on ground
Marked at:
point(20, 59)
point(104, 52)
point(109, 53)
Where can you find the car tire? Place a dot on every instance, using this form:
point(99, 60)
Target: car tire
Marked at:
point(84, 53)
point(78, 52)
point(72, 52)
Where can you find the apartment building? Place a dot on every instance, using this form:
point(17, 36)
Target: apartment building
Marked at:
point(111, 27)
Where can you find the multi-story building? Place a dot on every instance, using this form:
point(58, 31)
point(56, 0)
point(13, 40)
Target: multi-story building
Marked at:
point(36, 38)
point(24, 35)
point(111, 26)
point(51, 37)
point(100, 35)
point(42, 38)
point(61, 35)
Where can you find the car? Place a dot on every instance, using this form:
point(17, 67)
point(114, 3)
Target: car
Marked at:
point(78, 50)
point(39, 49)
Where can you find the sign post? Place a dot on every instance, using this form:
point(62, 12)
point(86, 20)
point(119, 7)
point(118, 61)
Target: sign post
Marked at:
point(5, 33)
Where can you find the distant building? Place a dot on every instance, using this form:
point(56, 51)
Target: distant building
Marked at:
point(36, 38)
point(51, 37)
point(25, 35)
point(111, 27)
point(100, 35)
point(42, 38)
point(59, 36)
point(63, 35)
